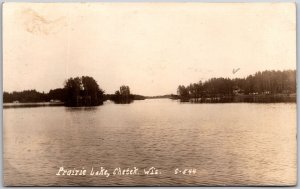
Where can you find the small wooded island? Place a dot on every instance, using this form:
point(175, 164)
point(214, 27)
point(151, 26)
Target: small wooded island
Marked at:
point(262, 87)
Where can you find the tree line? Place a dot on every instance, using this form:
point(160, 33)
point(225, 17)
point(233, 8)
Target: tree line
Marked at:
point(260, 83)
point(85, 91)
point(78, 91)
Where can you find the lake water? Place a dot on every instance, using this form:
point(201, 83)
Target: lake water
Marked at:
point(227, 144)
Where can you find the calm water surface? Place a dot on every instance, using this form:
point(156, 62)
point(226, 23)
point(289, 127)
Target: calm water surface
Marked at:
point(228, 144)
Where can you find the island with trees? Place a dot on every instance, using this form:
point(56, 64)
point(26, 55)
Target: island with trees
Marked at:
point(123, 96)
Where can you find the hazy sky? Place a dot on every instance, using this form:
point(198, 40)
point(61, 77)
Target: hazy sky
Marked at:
point(152, 47)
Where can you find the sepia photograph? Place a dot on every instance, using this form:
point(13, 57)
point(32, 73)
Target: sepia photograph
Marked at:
point(149, 94)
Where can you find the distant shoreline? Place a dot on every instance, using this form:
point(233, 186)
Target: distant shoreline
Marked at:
point(276, 98)
point(268, 86)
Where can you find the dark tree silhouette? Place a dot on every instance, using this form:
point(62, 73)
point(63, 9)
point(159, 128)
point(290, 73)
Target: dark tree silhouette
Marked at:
point(83, 91)
point(57, 94)
point(25, 96)
point(183, 92)
point(92, 89)
point(271, 83)
point(73, 88)
point(123, 95)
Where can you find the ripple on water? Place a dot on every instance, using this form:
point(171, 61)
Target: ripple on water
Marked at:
point(228, 144)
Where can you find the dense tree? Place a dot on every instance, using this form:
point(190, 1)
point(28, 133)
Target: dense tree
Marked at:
point(124, 91)
point(123, 95)
point(25, 96)
point(57, 94)
point(83, 91)
point(92, 89)
point(267, 82)
point(73, 87)
point(183, 92)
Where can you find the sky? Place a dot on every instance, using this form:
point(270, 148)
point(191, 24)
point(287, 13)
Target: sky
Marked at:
point(151, 47)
